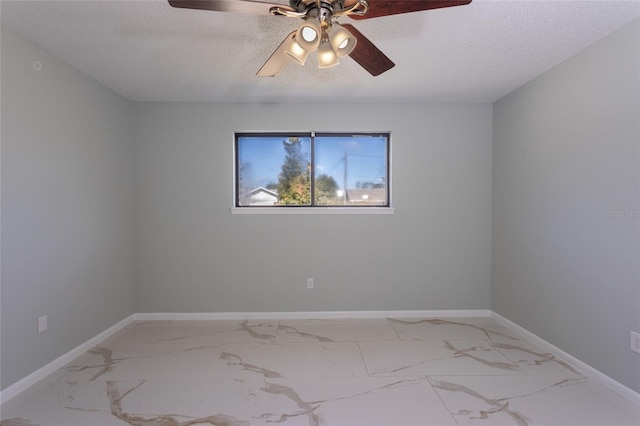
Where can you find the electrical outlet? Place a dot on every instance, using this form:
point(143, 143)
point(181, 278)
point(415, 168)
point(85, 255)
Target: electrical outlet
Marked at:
point(309, 282)
point(42, 324)
point(635, 342)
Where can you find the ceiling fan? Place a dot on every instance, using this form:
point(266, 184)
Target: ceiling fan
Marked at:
point(320, 30)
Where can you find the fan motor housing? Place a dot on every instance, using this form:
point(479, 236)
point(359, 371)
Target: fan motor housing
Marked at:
point(306, 5)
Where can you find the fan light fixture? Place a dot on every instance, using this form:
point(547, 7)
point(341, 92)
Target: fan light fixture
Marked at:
point(330, 39)
point(320, 30)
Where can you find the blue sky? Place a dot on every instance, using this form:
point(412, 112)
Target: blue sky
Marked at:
point(366, 158)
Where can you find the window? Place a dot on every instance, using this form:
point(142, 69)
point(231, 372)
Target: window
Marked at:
point(312, 170)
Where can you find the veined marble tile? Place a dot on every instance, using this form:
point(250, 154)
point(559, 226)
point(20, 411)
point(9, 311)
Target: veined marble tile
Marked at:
point(183, 402)
point(416, 358)
point(534, 360)
point(60, 403)
point(197, 331)
point(282, 360)
point(164, 402)
point(166, 373)
point(160, 360)
point(452, 329)
point(362, 401)
point(533, 400)
point(138, 332)
point(230, 402)
point(215, 331)
point(335, 330)
point(127, 360)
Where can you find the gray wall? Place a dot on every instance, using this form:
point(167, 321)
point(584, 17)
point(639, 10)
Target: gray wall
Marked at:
point(566, 163)
point(193, 255)
point(67, 207)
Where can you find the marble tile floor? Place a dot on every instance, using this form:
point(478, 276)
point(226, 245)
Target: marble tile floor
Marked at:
point(365, 372)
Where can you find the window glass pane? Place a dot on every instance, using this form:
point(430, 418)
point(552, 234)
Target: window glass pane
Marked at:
point(273, 170)
point(351, 170)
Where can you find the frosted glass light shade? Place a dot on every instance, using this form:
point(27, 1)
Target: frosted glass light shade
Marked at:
point(342, 41)
point(327, 56)
point(296, 53)
point(308, 35)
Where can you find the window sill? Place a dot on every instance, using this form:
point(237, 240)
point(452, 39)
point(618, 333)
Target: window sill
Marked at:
point(312, 210)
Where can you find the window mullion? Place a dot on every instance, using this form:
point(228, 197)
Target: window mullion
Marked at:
point(312, 175)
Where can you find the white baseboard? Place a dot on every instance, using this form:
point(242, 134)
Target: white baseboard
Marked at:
point(28, 381)
point(586, 369)
point(311, 315)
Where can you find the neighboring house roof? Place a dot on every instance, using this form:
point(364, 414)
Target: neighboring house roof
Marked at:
point(259, 196)
point(260, 189)
point(367, 196)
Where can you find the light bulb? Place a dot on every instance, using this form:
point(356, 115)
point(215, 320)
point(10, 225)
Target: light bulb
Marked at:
point(309, 34)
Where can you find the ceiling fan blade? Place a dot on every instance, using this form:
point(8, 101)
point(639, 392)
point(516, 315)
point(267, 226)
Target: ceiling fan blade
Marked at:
point(235, 6)
point(367, 54)
point(379, 8)
point(278, 59)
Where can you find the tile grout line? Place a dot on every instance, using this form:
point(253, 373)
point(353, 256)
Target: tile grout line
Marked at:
point(394, 329)
point(364, 363)
point(428, 378)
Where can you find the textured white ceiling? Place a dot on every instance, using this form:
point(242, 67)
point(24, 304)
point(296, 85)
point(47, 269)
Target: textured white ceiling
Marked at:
point(148, 51)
